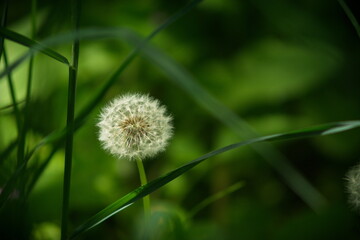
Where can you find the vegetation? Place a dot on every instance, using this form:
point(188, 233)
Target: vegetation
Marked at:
point(242, 80)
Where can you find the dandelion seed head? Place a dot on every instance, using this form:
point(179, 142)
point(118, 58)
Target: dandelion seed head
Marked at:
point(353, 186)
point(134, 126)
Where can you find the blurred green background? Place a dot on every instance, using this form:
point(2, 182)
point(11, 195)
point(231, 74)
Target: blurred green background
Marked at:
point(280, 65)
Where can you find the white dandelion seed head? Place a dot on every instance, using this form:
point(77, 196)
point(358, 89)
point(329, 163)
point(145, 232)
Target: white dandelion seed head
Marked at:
point(134, 126)
point(353, 186)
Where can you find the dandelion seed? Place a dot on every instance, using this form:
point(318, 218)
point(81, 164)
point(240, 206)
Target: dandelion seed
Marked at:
point(134, 126)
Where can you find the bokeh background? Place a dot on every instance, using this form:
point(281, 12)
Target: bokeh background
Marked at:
point(280, 65)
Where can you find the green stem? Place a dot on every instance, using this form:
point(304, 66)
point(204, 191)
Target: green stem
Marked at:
point(70, 124)
point(143, 180)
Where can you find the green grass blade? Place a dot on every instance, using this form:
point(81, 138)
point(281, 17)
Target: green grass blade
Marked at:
point(70, 123)
point(145, 190)
point(206, 202)
point(27, 42)
point(351, 16)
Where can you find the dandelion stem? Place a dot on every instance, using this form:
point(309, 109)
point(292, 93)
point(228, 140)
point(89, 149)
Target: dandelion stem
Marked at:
point(143, 180)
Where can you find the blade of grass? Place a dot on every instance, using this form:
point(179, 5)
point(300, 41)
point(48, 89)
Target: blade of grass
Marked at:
point(182, 78)
point(351, 16)
point(27, 42)
point(75, 7)
point(206, 202)
point(145, 190)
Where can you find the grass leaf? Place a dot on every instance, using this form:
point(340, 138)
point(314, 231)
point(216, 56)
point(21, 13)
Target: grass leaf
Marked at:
point(27, 42)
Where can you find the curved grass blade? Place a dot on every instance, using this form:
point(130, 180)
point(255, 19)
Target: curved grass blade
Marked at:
point(27, 42)
point(145, 190)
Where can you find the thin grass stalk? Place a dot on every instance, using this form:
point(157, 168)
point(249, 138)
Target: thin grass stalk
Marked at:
point(70, 123)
